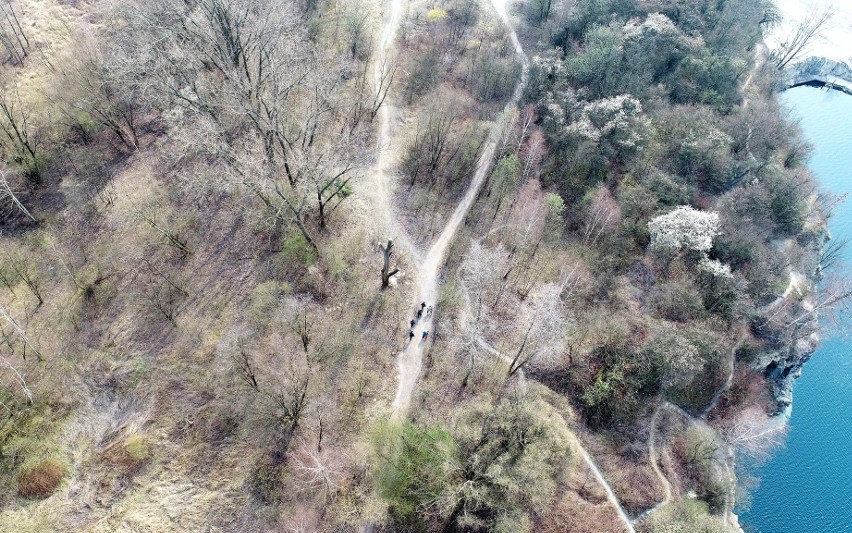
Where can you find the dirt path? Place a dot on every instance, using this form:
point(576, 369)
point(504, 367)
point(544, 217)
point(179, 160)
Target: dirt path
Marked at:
point(377, 185)
point(727, 385)
point(613, 499)
point(652, 457)
point(759, 58)
point(410, 360)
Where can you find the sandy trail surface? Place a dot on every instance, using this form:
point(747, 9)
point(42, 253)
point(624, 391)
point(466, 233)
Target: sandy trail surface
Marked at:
point(410, 360)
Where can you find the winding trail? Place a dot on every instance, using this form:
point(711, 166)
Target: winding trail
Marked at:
point(714, 401)
point(410, 360)
point(653, 459)
point(652, 454)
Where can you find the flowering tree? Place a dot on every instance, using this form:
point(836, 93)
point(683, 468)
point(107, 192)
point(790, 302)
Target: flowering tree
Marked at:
point(684, 228)
point(615, 121)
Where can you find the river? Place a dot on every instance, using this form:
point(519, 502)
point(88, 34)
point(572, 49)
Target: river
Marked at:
point(807, 485)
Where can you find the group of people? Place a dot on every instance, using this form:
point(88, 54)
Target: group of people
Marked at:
point(428, 311)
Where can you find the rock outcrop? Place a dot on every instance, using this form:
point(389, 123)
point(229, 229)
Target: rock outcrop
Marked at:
point(819, 71)
point(789, 349)
point(783, 366)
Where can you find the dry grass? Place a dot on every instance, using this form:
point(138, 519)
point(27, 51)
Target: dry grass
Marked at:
point(42, 479)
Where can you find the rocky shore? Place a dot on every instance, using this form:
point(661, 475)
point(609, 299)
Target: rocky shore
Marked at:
point(819, 71)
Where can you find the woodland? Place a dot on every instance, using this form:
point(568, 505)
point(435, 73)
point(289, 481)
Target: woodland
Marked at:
point(220, 218)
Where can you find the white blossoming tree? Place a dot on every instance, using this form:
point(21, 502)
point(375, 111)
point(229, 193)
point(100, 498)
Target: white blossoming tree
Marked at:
point(615, 122)
point(684, 228)
point(688, 229)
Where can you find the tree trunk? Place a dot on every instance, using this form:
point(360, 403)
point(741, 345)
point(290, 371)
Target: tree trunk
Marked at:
point(386, 270)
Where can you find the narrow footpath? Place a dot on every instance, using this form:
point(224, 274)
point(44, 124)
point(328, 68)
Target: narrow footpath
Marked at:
point(410, 360)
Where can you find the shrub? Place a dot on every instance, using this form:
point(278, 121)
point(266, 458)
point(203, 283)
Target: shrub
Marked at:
point(42, 479)
point(415, 471)
point(678, 301)
point(136, 448)
point(295, 254)
point(264, 481)
point(265, 298)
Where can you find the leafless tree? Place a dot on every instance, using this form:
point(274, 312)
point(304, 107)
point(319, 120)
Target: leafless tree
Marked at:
point(244, 365)
point(286, 403)
point(602, 215)
point(7, 192)
point(795, 44)
point(172, 237)
point(17, 378)
point(753, 432)
point(23, 266)
point(431, 149)
point(540, 328)
point(275, 110)
point(12, 36)
point(386, 76)
point(483, 275)
point(532, 154)
point(318, 469)
point(98, 84)
point(19, 332)
point(18, 134)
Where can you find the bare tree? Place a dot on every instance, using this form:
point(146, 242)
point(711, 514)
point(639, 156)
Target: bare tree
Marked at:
point(387, 72)
point(100, 85)
point(483, 275)
point(12, 36)
point(540, 328)
point(6, 192)
point(19, 332)
point(276, 110)
point(245, 366)
point(26, 270)
point(431, 148)
point(602, 215)
point(532, 153)
point(754, 432)
point(17, 378)
point(318, 469)
point(795, 44)
point(172, 237)
point(18, 135)
point(286, 403)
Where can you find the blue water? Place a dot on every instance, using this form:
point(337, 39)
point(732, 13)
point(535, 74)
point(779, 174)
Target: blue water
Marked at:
point(807, 486)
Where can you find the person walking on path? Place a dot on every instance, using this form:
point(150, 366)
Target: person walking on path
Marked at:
point(419, 313)
point(412, 323)
point(425, 335)
point(410, 335)
point(429, 311)
point(422, 306)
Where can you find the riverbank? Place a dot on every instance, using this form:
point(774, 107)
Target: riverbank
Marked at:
point(804, 486)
